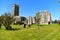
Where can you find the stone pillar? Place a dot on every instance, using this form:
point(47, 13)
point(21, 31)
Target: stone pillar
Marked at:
point(30, 20)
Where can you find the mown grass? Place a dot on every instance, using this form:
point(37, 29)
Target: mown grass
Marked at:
point(45, 32)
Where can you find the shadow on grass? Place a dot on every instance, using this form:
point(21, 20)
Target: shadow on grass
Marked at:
point(43, 25)
point(14, 29)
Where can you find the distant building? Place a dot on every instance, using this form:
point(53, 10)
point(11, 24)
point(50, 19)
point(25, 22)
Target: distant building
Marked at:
point(45, 17)
point(15, 14)
point(15, 10)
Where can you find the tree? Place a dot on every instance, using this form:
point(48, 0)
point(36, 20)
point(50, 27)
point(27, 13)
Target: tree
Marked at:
point(7, 21)
point(38, 18)
point(58, 1)
point(55, 21)
point(59, 22)
point(0, 22)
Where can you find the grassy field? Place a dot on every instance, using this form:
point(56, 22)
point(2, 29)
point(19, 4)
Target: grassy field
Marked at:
point(45, 32)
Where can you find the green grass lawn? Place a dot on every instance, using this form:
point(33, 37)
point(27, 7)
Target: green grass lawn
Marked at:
point(45, 32)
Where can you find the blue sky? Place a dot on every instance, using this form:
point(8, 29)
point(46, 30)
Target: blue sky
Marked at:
point(30, 7)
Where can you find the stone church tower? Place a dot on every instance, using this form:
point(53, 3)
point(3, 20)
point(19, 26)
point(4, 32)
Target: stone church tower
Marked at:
point(15, 10)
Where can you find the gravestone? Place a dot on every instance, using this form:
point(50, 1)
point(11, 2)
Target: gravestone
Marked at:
point(30, 21)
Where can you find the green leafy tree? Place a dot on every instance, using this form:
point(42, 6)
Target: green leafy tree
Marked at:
point(38, 18)
point(7, 21)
